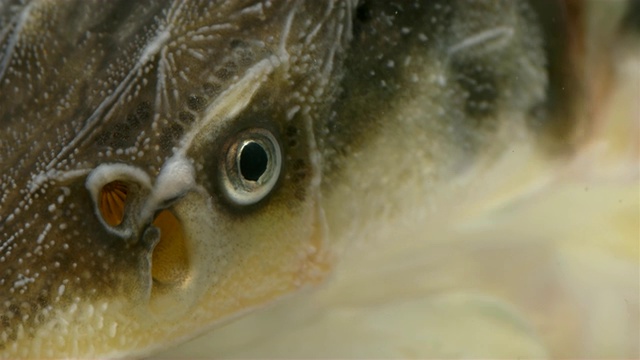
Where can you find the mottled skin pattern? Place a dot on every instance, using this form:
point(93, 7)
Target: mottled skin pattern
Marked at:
point(86, 83)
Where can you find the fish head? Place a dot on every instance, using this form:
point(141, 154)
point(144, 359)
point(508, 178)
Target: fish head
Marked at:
point(167, 166)
point(160, 171)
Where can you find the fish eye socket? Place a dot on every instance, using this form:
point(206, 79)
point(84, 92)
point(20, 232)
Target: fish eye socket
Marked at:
point(252, 166)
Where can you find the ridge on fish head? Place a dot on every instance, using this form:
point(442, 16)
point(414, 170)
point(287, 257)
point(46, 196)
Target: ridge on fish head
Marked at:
point(168, 166)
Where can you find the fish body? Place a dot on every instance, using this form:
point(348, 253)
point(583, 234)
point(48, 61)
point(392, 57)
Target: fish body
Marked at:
point(169, 166)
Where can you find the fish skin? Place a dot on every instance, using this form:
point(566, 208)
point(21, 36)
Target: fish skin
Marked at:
point(93, 83)
point(160, 88)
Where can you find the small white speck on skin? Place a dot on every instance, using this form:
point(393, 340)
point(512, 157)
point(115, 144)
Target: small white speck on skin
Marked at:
point(90, 310)
point(292, 112)
point(407, 61)
point(113, 329)
point(44, 233)
point(499, 36)
point(99, 322)
point(22, 281)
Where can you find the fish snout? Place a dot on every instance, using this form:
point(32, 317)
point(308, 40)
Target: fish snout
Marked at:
point(129, 207)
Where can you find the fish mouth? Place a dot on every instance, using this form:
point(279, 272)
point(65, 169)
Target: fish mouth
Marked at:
point(170, 266)
point(169, 257)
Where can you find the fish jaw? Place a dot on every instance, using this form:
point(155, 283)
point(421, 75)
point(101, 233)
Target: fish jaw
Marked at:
point(235, 288)
point(208, 297)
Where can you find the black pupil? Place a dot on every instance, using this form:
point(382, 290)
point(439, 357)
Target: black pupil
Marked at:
point(253, 161)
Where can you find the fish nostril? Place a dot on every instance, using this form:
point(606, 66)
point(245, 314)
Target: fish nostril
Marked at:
point(113, 198)
point(169, 262)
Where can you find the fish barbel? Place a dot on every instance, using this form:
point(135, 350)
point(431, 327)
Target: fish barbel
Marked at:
point(169, 166)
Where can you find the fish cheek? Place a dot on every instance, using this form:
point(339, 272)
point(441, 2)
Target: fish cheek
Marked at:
point(271, 247)
point(78, 262)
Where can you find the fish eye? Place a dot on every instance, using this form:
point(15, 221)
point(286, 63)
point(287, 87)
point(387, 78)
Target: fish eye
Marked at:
point(251, 167)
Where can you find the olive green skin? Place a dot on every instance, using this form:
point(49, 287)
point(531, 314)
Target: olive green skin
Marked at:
point(138, 83)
